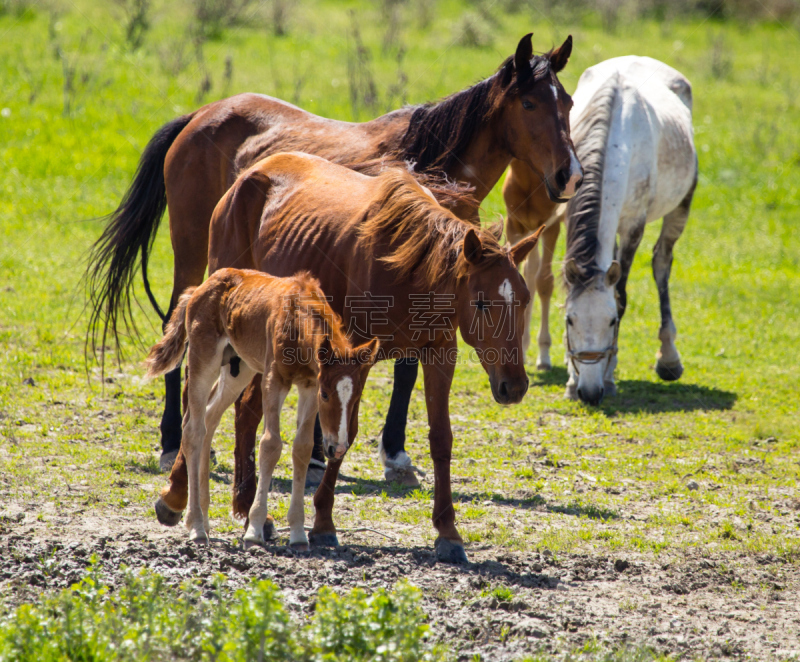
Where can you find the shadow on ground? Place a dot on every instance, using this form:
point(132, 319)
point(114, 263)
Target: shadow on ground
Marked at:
point(637, 396)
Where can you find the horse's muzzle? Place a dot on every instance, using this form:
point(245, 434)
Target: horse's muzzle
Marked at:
point(510, 391)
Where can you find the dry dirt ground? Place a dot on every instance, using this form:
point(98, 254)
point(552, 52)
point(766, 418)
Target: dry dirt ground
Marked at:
point(692, 607)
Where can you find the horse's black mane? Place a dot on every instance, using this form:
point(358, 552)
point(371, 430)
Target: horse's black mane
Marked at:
point(583, 210)
point(439, 132)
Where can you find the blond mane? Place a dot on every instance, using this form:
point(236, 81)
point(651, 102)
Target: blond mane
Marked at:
point(425, 238)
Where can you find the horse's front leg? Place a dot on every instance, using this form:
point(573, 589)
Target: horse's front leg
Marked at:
point(438, 379)
point(544, 288)
point(323, 533)
point(269, 452)
point(393, 456)
point(301, 454)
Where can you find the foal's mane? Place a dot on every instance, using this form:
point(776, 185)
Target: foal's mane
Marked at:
point(426, 239)
point(310, 303)
point(439, 132)
point(590, 135)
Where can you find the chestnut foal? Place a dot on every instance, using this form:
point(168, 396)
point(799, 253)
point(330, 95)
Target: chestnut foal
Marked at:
point(240, 323)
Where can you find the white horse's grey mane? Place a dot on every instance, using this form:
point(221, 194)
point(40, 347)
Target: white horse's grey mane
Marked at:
point(583, 210)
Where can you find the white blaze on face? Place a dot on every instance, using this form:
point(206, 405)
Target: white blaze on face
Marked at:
point(506, 291)
point(345, 390)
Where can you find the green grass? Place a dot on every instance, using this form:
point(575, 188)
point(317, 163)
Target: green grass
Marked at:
point(548, 473)
point(149, 619)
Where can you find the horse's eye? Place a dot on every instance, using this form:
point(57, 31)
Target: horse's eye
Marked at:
point(613, 322)
point(527, 105)
point(569, 321)
point(323, 395)
point(480, 304)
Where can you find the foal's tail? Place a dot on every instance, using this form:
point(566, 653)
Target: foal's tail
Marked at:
point(128, 237)
point(167, 353)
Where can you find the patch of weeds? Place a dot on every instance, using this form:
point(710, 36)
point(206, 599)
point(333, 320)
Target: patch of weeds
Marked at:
point(147, 618)
point(501, 593)
point(148, 466)
point(728, 531)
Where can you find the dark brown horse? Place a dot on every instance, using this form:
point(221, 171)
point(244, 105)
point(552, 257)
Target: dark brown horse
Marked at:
point(520, 112)
point(388, 255)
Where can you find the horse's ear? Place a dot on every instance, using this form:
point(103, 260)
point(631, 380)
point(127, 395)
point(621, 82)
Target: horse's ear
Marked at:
point(571, 271)
point(522, 58)
point(520, 250)
point(473, 249)
point(325, 351)
point(613, 274)
point(368, 352)
point(560, 56)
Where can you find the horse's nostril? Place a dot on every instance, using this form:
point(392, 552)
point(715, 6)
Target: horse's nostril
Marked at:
point(330, 451)
point(578, 183)
point(504, 389)
point(562, 177)
point(580, 394)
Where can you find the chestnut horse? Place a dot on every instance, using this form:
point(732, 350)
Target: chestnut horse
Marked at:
point(520, 112)
point(389, 256)
point(242, 323)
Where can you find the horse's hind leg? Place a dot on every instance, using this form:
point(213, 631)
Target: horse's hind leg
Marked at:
point(626, 250)
point(189, 217)
point(301, 454)
point(196, 442)
point(668, 360)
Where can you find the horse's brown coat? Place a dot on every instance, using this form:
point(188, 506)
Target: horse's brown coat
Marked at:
point(375, 239)
point(282, 328)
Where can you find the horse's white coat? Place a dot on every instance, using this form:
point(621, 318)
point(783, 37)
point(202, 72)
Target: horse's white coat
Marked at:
point(506, 291)
point(649, 169)
point(344, 388)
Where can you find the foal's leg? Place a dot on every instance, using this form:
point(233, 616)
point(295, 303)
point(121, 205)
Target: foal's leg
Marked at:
point(301, 454)
point(392, 446)
point(173, 497)
point(269, 452)
point(668, 360)
point(544, 288)
point(205, 369)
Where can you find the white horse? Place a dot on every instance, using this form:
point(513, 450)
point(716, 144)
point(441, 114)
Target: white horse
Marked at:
point(632, 126)
point(635, 141)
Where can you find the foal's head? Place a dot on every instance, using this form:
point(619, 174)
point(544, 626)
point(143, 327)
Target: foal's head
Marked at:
point(341, 378)
point(491, 310)
point(534, 110)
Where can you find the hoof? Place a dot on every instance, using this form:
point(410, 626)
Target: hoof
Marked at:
point(450, 552)
point(247, 544)
point(544, 367)
point(270, 532)
point(300, 547)
point(166, 515)
point(166, 461)
point(212, 459)
point(199, 538)
point(609, 389)
point(403, 477)
point(323, 539)
point(669, 372)
point(316, 470)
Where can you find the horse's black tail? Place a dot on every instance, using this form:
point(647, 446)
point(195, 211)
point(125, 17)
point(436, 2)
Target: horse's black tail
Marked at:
point(127, 238)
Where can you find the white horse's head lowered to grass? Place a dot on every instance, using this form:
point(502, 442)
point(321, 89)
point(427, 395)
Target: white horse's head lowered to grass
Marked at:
point(592, 326)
